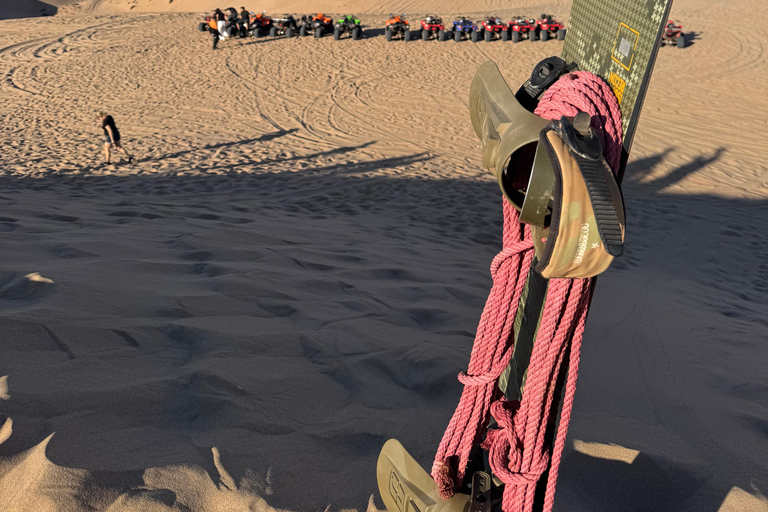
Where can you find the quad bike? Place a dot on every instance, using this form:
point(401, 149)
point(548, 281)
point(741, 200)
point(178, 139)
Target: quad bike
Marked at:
point(397, 25)
point(260, 24)
point(521, 27)
point(673, 34)
point(492, 26)
point(208, 22)
point(348, 24)
point(430, 25)
point(285, 26)
point(319, 25)
point(548, 27)
point(235, 26)
point(463, 26)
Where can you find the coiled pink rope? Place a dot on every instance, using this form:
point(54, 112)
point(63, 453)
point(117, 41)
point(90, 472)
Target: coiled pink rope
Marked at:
point(517, 450)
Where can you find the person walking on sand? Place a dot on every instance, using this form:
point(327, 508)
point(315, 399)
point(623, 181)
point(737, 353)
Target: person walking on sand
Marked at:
point(111, 137)
point(213, 29)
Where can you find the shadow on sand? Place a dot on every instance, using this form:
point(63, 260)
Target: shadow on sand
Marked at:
point(31, 9)
point(455, 211)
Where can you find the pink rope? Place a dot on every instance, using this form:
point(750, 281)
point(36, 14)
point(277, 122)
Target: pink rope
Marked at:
point(517, 450)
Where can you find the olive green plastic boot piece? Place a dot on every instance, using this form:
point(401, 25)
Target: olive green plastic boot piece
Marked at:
point(404, 486)
point(508, 131)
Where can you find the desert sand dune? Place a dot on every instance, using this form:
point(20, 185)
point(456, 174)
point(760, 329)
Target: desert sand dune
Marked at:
point(293, 269)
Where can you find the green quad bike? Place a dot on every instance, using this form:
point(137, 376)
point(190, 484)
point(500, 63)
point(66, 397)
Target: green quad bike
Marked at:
point(348, 24)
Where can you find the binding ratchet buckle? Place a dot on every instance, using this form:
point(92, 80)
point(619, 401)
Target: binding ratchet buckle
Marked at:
point(554, 173)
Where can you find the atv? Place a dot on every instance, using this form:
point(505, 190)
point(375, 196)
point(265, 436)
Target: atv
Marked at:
point(461, 26)
point(673, 34)
point(397, 25)
point(235, 26)
point(490, 26)
point(548, 27)
point(432, 24)
point(208, 22)
point(521, 27)
point(319, 25)
point(348, 24)
point(260, 24)
point(285, 26)
point(231, 27)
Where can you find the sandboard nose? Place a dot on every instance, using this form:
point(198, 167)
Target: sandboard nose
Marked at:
point(404, 486)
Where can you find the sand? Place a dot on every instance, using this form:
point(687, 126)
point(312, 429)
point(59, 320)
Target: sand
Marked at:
point(293, 270)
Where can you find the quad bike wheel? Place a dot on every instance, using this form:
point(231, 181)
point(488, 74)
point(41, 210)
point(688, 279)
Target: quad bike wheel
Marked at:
point(289, 32)
point(680, 41)
point(532, 35)
point(505, 35)
point(441, 36)
point(302, 31)
point(544, 35)
point(488, 36)
point(336, 34)
point(231, 31)
point(406, 35)
point(476, 35)
point(457, 36)
point(319, 32)
point(424, 34)
point(515, 36)
point(272, 31)
point(356, 34)
point(388, 34)
point(561, 34)
point(202, 27)
point(257, 32)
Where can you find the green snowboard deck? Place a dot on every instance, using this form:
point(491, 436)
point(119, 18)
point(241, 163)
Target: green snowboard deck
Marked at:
point(618, 41)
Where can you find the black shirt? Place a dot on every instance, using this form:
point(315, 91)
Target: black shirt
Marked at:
point(220, 16)
point(244, 15)
point(108, 121)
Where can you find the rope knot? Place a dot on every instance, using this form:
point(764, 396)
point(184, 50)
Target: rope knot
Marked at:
point(509, 251)
point(505, 449)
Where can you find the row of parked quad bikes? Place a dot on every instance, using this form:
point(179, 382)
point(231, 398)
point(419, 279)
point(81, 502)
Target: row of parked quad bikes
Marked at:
point(398, 27)
point(490, 28)
point(261, 25)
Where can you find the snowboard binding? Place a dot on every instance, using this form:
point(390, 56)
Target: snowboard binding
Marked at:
point(553, 173)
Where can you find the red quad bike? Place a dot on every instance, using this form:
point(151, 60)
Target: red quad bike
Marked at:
point(548, 27)
point(432, 24)
point(492, 26)
point(260, 24)
point(521, 27)
point(673, 34)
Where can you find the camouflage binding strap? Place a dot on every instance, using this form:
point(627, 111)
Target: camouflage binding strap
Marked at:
point(587, 221)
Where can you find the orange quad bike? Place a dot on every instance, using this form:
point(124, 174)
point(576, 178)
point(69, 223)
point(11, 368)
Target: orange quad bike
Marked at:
point(319, 25)
point(397, 26)
point(207, 22)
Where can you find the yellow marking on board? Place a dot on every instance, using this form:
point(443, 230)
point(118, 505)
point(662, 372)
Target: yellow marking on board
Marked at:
point(617, 84)
point(613, 51)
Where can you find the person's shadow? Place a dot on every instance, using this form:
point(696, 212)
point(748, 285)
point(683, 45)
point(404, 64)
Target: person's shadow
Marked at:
point(31, 8)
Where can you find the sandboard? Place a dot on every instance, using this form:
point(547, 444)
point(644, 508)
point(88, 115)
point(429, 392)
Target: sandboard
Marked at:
point(618, 41)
